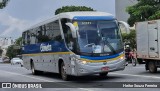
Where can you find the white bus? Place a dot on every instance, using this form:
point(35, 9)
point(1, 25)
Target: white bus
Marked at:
point(75, 43)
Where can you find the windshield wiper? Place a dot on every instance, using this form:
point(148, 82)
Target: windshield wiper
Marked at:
point(91, 44)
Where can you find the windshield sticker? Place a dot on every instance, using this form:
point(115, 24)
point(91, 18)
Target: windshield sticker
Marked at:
point(97, 49)
point(76, 25)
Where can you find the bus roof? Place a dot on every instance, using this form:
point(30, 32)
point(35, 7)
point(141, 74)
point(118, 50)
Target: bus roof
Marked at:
point(80, 15)
point(71, 15)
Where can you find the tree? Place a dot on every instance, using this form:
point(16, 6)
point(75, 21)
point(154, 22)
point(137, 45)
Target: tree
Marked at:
point(130, 38)
point(11, 51)
point(144, 10)
point(3, 3)
point(72, 8)
point(18, 41)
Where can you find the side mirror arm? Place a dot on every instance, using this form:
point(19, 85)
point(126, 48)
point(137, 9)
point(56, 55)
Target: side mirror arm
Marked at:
point(126, 26)
point(73, 30)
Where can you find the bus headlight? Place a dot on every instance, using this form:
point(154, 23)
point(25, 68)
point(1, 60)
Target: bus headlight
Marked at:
point(81, 61)
point(84, 62)
point(77, 59)
point(122, 58)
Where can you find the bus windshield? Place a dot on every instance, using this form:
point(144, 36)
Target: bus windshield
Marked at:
point(98, 37)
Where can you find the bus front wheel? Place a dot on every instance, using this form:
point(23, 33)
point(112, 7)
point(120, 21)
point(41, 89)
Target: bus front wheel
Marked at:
point(63, 72)
point(35, 72)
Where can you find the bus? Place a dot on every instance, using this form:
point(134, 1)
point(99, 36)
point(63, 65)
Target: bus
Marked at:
point(75, 44)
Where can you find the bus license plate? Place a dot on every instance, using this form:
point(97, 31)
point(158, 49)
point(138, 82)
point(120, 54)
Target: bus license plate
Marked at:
point(105, 68)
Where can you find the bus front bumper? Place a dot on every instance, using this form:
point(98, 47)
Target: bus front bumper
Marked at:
point(94, 68)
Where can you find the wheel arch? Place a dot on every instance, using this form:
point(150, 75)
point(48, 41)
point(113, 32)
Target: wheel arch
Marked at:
point(31, 62)
point(59, 64)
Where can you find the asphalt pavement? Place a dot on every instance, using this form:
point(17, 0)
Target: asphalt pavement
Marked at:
point(15, 73)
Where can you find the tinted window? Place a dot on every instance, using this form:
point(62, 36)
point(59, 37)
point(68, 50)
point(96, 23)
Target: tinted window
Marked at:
point(53, 31)
point(43, 33)
point(23, 38)
point(26, 38)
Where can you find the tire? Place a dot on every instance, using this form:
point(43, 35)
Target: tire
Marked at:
point(63, 72)
point(146, 66)
point(134, 61)
point(103, 74)
point(152, 67)
point(140, 61)
point(35, 72)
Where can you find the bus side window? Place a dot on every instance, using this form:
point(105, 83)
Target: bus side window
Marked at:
point(32, 36)
point(53, 31)
point(23, 38)
point(41, 34)
point(28, 38)
point(69, 38)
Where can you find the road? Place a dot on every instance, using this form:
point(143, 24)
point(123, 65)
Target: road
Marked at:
point(15, 73)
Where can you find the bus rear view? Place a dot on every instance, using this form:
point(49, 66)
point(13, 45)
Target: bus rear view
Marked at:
point(93, 44)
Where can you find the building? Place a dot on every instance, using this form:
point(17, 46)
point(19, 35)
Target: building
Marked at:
point(4, 44)
point(120, 9)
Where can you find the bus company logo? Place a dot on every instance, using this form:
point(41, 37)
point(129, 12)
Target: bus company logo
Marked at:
point(44, 47)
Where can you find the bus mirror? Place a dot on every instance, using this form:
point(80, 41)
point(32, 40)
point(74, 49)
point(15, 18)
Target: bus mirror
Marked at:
point(73, 29)
point(124, 27)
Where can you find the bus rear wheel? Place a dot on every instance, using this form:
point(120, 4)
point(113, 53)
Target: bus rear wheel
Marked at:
point(103, 74)
point(63, 72)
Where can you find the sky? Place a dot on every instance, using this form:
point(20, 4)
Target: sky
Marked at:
point(19, 15)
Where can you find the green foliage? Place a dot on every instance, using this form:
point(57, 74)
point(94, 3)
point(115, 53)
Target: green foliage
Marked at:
point(3, 4)
point(72, 8)
point(130, 38)
point(11, 52)
point(144, 10)
point(18, 41)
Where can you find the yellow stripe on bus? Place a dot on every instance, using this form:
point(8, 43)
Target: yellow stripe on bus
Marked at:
point(37, 54)
point(87, 60)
